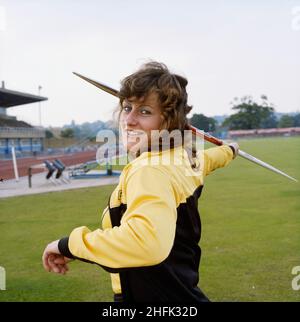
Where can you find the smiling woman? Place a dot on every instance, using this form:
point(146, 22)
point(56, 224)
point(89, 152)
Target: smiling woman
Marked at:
point(139, 117)
point(151, 227)
point(153, 99)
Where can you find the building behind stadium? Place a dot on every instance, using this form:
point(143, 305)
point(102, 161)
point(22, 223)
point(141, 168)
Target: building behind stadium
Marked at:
point(27, 139)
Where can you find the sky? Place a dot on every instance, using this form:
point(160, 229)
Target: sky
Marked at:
point(225, 49)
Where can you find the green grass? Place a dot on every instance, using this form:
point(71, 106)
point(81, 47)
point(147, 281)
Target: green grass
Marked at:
point(251, 226)
point(28, 224)
point(250, 233)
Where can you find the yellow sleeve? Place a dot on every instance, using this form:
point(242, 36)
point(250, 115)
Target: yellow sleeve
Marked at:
point(147, 231)
point(215, 158)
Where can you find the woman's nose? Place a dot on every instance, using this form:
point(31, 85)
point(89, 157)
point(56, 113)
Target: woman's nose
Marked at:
point(131, 118)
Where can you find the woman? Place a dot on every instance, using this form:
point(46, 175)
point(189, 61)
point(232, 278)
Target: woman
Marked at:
point(151, 227)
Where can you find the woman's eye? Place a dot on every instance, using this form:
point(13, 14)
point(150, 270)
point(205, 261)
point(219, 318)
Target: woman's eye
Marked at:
point(127, 108)
point(142, 110)
point(145, 111)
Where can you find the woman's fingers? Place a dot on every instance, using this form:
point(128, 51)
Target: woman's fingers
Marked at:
point(50, 251)
point(53, 266)
point(53, 261)
point(56, 264)
point(62, 261)
point(59, 260)
point(236, 147)
point(64, 269)
point(45, 260)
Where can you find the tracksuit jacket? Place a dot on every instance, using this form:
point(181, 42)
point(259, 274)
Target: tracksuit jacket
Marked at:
point(151, 228)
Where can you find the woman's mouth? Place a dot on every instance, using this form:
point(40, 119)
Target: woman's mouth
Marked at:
point(135, 133)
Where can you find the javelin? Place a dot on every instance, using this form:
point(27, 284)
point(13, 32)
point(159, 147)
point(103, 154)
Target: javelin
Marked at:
point(206, 136)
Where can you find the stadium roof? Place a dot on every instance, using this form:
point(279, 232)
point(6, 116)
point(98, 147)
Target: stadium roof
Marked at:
point(10, 98)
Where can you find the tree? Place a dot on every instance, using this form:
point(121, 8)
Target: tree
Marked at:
point(207, 124)
point(297, 120)
point(269, 122)
point(250, 114)
point(286, 121)
point(67, 133)
point(49, 134)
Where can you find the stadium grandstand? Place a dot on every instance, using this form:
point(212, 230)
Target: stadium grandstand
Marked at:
point(26, 139)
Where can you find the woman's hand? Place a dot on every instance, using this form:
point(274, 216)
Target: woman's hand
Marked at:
point(235, 147)
point(53, 260)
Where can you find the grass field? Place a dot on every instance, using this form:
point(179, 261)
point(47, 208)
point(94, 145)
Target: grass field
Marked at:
point(250, 234)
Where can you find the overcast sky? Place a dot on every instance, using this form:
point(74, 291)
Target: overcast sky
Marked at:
point(226, 49)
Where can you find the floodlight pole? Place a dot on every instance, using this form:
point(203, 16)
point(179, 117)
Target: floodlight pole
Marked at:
point(40, 115)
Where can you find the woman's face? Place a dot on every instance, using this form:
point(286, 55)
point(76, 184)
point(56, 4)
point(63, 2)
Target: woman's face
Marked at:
point(138, 118)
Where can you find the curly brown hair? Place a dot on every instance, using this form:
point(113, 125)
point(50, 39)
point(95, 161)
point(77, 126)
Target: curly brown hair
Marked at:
point(154, 77)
